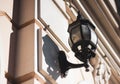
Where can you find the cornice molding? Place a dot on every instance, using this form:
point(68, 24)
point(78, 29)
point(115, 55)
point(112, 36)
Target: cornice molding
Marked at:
point(24, 78)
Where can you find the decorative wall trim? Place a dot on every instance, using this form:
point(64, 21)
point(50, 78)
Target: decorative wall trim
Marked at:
point(24, 78)
point(49, 31)
point(65, 15)
point(40, 24)
point(52, 35)
point(43, 25)
point(108, 15)
point(48, 77)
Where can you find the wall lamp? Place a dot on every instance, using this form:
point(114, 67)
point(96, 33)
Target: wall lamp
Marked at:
point(83, 42)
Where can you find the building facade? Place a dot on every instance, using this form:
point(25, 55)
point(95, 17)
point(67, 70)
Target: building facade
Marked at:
point(32, 32)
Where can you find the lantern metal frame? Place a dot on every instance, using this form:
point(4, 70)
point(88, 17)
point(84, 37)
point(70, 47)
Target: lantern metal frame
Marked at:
point(83, 42)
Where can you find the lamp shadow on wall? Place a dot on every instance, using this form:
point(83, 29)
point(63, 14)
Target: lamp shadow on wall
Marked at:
point(50, 51)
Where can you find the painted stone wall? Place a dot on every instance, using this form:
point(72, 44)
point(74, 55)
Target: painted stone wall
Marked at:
point(59, 24)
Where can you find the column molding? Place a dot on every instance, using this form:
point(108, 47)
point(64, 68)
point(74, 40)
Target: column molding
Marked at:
point(24, 78)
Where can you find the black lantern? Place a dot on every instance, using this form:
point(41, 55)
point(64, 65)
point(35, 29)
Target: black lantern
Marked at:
point(82, 40)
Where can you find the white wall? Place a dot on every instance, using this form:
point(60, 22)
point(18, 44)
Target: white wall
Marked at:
point(5, 32)
point(58, 23)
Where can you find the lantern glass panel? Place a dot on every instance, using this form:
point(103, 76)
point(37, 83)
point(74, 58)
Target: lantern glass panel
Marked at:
point(76, 34)
point(93, 37)
point(85, 32)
